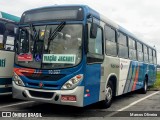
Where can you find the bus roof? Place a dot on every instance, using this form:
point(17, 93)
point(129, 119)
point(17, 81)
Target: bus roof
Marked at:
point(91, 11)
point(9, 17)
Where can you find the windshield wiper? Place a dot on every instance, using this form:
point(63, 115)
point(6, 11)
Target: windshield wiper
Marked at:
point(33, 30)
point(34, 37)
point(58, 29)
point(55, 32)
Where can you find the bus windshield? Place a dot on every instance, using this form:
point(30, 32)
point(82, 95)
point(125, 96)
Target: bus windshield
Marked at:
point(49, 46)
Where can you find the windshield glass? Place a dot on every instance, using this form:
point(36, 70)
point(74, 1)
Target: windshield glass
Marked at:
point(49, 46)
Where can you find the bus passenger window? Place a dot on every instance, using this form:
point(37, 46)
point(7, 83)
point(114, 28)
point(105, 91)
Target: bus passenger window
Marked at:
point(139, 51)
point(145, 50)
point(110, 34)
point(110, 37)
point(122, 45)
point(154, 57)
point(132, 49)
point(150, 56)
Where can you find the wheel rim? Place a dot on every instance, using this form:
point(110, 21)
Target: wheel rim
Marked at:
point(145, 86)
point(108, 94)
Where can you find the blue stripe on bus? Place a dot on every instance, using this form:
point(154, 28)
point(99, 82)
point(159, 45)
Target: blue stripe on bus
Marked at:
point(129, 78)
point(141, 76)
point(151, 71)
point(4, 81)
point(144, 69)
point(134, 66)
point(133, 74)
point(92, 83)
point(152, 74)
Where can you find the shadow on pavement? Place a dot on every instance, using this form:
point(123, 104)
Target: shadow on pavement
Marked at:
point(6, 99)
point(94, 110)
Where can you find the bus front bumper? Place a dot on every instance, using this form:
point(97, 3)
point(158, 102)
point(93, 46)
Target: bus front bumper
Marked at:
point(64, 97)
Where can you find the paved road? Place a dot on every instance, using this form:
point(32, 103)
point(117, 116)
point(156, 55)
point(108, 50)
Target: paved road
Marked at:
point(129, 102)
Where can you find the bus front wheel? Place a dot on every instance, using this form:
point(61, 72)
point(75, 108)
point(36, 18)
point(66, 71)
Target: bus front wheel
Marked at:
point(108, 95)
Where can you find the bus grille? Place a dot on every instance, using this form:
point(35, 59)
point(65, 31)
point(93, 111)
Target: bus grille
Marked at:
point(45, 85)
point(45, 77)
point(41, 94)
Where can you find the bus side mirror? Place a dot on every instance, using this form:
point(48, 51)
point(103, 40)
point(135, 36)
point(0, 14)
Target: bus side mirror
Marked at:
point(93, 30)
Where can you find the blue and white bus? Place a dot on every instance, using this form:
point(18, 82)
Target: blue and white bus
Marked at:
point(72, 55)
point(7, 37)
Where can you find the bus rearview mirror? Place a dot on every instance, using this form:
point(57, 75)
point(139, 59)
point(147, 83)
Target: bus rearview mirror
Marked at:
point(93, 31)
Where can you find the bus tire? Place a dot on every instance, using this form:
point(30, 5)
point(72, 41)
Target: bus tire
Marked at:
point(145, 86)
point(108, 96)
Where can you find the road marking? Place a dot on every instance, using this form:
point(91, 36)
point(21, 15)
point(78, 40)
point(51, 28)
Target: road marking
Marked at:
point(16, 104)
point(130, 105)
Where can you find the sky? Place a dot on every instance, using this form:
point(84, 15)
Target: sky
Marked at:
point(140, 17)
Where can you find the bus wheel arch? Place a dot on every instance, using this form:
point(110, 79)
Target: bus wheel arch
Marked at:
point(110, 91)
point(146, 78)
point(113, 79)
point(145, 85)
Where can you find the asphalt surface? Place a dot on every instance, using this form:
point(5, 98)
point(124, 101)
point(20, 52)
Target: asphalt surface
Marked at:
point(122, 108)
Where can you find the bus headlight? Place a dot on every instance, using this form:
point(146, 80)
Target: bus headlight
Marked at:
point(73, 82)
point(17, 80)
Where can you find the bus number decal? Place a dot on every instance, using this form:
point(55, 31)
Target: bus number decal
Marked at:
point(54, 71)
